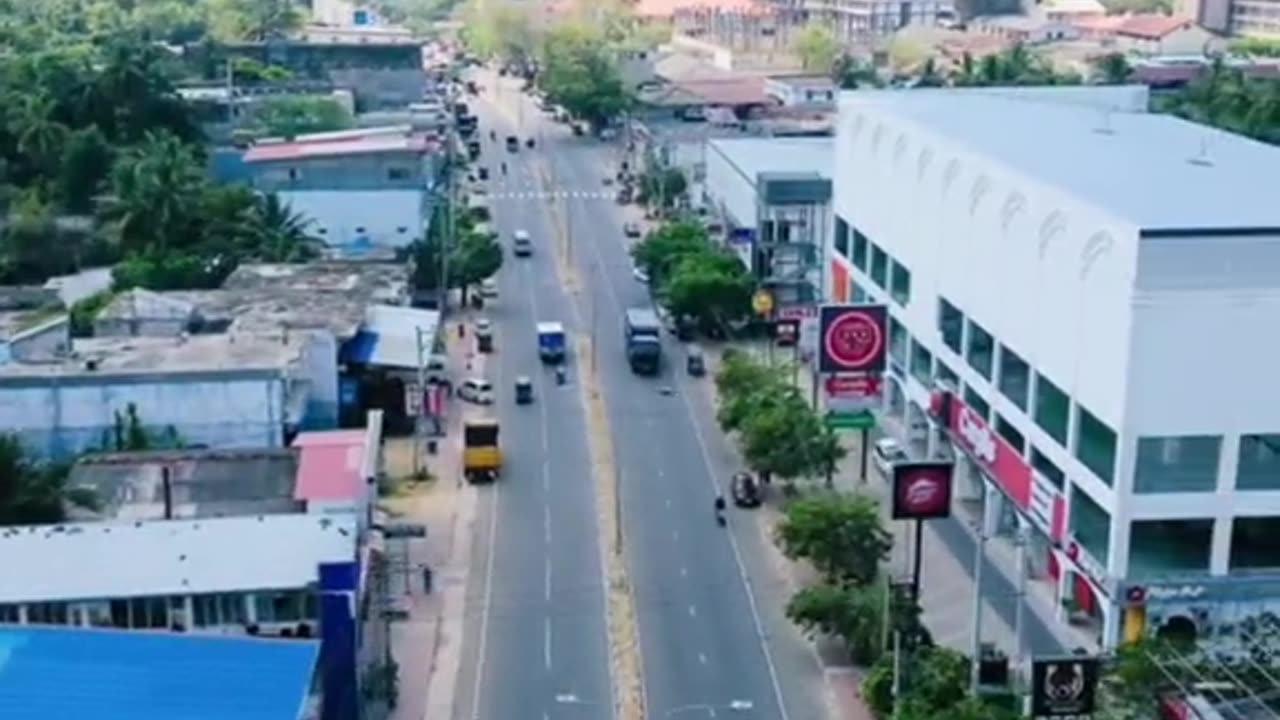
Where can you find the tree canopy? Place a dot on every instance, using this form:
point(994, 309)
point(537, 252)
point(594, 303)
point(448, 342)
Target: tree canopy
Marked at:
point(292, 116)
point(579, 73)
point(474, 254)
point(817, 47)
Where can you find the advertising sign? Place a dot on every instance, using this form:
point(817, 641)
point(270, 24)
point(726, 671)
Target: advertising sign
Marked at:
point(844, 394)
point(922, 490)
point(852, 338)
point(786, 332)
point(1063, 688)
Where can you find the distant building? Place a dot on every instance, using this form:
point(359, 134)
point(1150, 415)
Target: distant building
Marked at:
point(773, 198)
point(1151, 34)
point(1025, 29)
point(859, 20)
point(51, 672)
point(813, 91)
point(1069, 11)
point(372, 187)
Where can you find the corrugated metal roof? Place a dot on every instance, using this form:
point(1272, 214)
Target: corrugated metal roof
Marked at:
point(337, 148)
point(60, 673)
point(329, 468)
point(170, 557)
point(1155, 171)
point(390, 337)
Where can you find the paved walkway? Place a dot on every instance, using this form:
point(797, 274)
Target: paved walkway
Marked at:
point(428, 644)
point(946, 586)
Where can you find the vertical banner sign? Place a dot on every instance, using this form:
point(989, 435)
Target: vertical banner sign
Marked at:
point(852, 338)
point(922, 490)
point(1063, 688)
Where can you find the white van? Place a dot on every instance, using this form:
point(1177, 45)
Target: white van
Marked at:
point(489, 289)
point(476, 390)
point(521, 245)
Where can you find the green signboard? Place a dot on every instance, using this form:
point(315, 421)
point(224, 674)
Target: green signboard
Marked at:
point(864, 420)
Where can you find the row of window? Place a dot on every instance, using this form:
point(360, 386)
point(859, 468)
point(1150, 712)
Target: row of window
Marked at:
point(1164, 547)
point(211, 610)
point(1040, 398)
point(890, 275)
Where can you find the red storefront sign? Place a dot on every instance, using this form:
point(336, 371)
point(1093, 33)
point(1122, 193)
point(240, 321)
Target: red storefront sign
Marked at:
point(839, 282)
point(1004, 463)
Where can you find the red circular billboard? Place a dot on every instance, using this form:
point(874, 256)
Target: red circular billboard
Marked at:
point(854, 338)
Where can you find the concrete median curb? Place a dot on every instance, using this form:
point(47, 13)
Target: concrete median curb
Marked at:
point(626, 668)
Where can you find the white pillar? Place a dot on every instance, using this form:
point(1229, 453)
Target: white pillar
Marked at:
point(1220, 549)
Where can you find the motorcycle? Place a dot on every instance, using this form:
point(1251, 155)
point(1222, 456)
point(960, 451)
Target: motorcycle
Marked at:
point(720, 519)
point(560, 376)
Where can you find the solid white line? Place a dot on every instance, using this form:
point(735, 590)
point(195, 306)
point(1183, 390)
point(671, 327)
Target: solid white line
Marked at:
point(487, 603)
point(715, 485)
point(693, 611)
point(702, 658)
point(546, 642)
point(546, 580)
point(546, 524)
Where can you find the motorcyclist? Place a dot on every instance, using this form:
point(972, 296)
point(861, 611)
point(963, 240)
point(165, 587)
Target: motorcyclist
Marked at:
point(720, 509)
point(504, 168)
point(493, 134)
point(560, 375)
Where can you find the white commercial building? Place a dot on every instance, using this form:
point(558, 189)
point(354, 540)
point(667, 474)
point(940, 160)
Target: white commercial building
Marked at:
point(1095, 292)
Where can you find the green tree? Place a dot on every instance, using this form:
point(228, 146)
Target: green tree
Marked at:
point(742, 384)
point(40, 137)
point(816, 46)
point(477, 258)
point(280, 234)
point(789, 440)
point(851, 74)
point(579, 73)
point(154, 195)
point(852, 614)
point(86, 162)
point(32, 492)
point(1113, 69)
point(663, 187)
point(934, 683)
point(664, 248)
point(289, 117)
point(254, 20)
point(85, 311)
point(713, 288)
point(841, 535)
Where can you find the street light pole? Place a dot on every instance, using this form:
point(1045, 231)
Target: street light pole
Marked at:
point(979, 555)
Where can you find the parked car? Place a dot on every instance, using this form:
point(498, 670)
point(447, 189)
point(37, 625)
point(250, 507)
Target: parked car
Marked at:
point(885, 453)
point(631, 229)
point(489, 288)
point(476, 390)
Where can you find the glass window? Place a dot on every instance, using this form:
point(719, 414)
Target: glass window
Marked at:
point(981, 350)
point(1253, 543)
point(899, 343)
point(277, 607)
point(1091, 525)
point(951, 325)
point(397, 173)
point(1053, 409)
point(860, 250)
point(1187, 463)
point(879, 266)
point(1096, 446)
point(1046, 467)
point(841, 241)
point(98, 614)
point(47, 613)
point(1158, 548)
point(1011, 434)
point(1015, 377)
point(860, 295)
point(149, 612)
point(921, 364)
point(1259, 463)
point(900, 284)
point(9, 614)
point(977, 403)
point(947, 375)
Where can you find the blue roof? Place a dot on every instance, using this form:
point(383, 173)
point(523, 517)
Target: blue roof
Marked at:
point(49, 673)
point(1136, 166)
point(359, 349)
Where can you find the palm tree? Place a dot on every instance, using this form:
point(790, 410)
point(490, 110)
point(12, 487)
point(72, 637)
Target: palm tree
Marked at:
point(282, 233)
point(154, 196)
point(39, 137)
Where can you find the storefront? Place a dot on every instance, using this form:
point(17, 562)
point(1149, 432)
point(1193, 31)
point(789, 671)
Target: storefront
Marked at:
point(1232, 614)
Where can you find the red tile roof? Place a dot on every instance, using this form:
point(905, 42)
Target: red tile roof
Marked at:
point(727, 91)
point(339, 147)
point(1152, 27)
point(329, 467)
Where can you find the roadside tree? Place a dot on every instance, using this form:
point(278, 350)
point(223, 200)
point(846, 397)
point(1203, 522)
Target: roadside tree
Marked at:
point(742, 385)
point(33, 492)
point(841, 535)
point(789, 440)
point(712, 288)
point(817, 47)
point(659, 252)
point(579, 73)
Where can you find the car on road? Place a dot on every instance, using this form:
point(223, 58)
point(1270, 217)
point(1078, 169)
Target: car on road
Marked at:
point(608, 134)
point(513, 143)
point(521, 244)
point(476, 390)
point(631, 229)
point(483, 326)
point(489, 288)
point(885, 453)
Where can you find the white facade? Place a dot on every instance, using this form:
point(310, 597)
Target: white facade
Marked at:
point(1146, 307)
point(383, 218)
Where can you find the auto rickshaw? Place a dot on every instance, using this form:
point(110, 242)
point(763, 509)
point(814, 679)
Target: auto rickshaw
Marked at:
point(695, 364)
point(481, 454)
point(482, 172)
point(529, 143)
point(524, 390)
point(484, 340)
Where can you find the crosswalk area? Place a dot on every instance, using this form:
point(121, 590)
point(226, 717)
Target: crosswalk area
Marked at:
point(551, 195)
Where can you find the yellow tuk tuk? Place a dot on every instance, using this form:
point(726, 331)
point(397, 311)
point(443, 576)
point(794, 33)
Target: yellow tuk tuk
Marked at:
point(481, 454)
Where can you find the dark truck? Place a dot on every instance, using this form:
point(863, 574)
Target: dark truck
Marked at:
point(643, 334)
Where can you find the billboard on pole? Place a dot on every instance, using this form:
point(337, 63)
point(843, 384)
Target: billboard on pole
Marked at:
point(853, 338)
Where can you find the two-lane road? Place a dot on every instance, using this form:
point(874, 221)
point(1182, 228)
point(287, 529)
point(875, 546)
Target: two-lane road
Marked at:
point(535, 642)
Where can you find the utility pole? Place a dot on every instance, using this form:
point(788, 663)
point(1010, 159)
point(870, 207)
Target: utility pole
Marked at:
point(1020, 593)
point(979, 555)
point(897, 673)
point(419, 423)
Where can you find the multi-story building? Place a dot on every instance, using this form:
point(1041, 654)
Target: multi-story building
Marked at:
point(773, 197)
point(859, 20)
point(363, 187)
point(1093, 292)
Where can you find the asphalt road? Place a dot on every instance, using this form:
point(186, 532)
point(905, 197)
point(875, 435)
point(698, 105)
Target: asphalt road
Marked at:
point(535, 643)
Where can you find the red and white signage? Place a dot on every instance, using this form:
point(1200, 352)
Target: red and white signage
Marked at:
point(1043, 504)
point(852, 393)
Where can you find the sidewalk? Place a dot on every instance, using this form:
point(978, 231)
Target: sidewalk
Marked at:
point(427, 645)
point(946, 586)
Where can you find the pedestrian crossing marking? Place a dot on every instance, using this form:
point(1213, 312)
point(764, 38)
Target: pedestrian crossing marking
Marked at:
point(555, 195)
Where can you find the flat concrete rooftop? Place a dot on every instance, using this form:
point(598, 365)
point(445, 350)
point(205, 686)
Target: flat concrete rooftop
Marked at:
point(186, 354)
